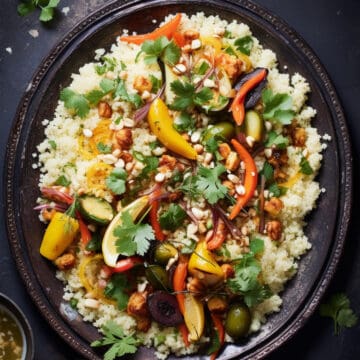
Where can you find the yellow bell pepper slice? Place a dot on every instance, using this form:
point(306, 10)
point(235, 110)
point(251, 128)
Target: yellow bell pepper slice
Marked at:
point(194, 316)
point(202, 259)
point(59, 234)
point(161, 124)
point(213, 42)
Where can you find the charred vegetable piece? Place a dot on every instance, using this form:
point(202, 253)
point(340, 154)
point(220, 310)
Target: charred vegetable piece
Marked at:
point(96, 210)
point(157, 277)
point(164, 308)
point(164, 252)
point(253, 96)
point(238, 320)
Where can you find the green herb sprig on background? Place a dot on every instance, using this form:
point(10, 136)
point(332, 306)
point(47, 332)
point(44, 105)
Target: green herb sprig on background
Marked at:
point(47, 8)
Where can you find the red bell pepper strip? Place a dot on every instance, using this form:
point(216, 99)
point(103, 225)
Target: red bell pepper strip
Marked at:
point(154, 215)
point(179, 278)
point(167, 30)
point(127, 264)
point(184, 333)
point(84, 231)
point(179, 39)
point(250, 181)
point(221, 333)
point(237, 107)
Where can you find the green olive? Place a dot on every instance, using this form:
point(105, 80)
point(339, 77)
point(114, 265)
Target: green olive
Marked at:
point(164, 251)
point(158, 277)
point(238, 320)
point(223, 129)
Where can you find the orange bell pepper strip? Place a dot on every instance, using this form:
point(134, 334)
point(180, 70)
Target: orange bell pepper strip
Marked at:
point(221, 333)
point(154, 216)
point(179, 278)
point(184, 333)
point(237, 106)
point(179, 39)
point(167, 30)
point(250, 181)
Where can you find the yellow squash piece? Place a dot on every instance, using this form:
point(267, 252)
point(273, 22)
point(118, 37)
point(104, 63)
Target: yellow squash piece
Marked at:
point(135, 209)
point(194, 316)
point(213, 42)
point(161, 124)
point(59, 234)
point(202, 259)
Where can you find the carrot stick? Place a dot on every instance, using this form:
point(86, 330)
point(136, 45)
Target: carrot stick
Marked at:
point(179, 278)
point(184, 333)
point(167, 30)
point(250, 181)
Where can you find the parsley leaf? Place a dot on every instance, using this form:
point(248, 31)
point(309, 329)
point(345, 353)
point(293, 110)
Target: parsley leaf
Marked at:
point(172, 218)
point(305, 167)
point(161, 47)
point(209, 184)
point(278, 140)
point(117, 289)
point(277, 107)
point(184, 122)
point(338, 308)
point(132, 238)
point(186, 96)
point(120, 344)
point(244, 44)
point(75, 102)
point(116, 181)
point(247, 271)
point(122, 93)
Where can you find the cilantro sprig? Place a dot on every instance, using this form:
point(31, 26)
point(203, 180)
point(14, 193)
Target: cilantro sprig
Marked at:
point(338, 308)
point(162, 48)
point(121, 344)
point(172, 218)
point(244, 44)
point(305, 166)
point(47, 8)
point(277, 107)
point(186, 95)
point(117, 288)
point(247, 270)
point(133, 238)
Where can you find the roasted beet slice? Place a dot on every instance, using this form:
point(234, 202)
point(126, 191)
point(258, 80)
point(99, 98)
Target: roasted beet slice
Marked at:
point(254, 95)
point(164, 308)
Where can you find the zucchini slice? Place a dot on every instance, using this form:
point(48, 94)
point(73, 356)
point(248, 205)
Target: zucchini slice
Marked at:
point(96, 210)
point(254, 125)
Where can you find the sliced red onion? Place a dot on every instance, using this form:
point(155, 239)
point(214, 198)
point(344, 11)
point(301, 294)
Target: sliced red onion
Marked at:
point(56, 207)
point(52, 193)
point(261, 207)
point(189, 212)
point(233, 229)
point(200, 84)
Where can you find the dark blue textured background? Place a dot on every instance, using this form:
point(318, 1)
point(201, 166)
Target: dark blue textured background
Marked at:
point(331, 28)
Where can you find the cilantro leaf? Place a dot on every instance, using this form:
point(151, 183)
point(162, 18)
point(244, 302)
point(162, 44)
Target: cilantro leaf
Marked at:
point(245, 280)
point(161, 47)
point(209, 184)
point(172, 218)
point(186, 96)
point(75, 102)
point(156, 83)
point(189, 187)
point(244, 44)
point(338, 308)
point(132, 238)
point(184, 122)
point(25, 8)
point(278, 140)
point(94, 96)
point(117, 289)
point(103, 148)
point(108, 64)
point(116, 181)
point(151, 163)
point(305, 167)
point(277, 107)
point(122, 93)
point(277, 190)
point(52, 144)
point(47, 13)
point(62, 180)
point(120, 344)
point(267, 171)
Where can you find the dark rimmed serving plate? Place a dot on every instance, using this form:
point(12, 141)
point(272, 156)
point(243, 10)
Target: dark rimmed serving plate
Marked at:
point(327, 225)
